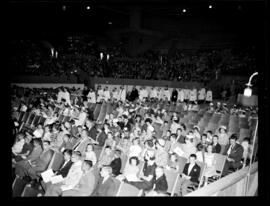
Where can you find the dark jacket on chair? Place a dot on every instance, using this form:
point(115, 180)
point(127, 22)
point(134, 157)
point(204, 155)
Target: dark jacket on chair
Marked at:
point(108, 188)
point(116, 165)
point(236, 153)
point(160, 184)
point(216, 148)
point(43, 161)
point(64, 169)
point(194, 173)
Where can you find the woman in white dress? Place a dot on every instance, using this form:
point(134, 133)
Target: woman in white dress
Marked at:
point(131, 170)
point(210, 163)
point(90, 154)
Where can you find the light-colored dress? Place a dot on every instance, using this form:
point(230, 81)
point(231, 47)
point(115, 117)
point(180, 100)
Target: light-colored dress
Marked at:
point(91, 156)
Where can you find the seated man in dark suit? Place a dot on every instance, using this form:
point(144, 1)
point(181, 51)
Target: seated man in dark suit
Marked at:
point(160, 183)
point(190, 174)
point(63, 170)
point(234, 152)
point(106, 185)
point(116, 164)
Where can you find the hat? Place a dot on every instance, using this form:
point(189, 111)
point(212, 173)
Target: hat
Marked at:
point(223, 127)
point(161, 142)
point(189, 136)
point(196, 127)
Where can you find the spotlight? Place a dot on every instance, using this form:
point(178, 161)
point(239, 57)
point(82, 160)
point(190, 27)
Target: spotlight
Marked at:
point(110, 22)
point(184, 10)
point(88, 7)
point(64, 7)
point(210, 7)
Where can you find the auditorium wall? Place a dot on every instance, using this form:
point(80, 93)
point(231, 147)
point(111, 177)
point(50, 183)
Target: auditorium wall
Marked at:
point(104, 81)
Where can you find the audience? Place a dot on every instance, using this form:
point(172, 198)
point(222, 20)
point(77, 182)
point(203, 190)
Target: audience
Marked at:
point(146, 133)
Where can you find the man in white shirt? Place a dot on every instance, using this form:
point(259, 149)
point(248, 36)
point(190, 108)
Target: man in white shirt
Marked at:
point(153, 93)
point(167, 94)
point(66, 96)
point(82, 117)
point(191, 174)
point(174, 125)
point(91, 96)
point(115, 95)
point(60, 95)
point(209, 97)
point(186, 95)
point(193, 95)
point(201, 96)
point(107, 94)
point(71, 180)
point(122, 94)
point(181, 95)
point(99, 94)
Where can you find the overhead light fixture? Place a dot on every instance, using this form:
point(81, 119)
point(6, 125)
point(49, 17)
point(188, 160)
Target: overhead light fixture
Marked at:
point(64, 7)
point(110, 22)
point(248, 90)
point(184, 10)
point(210, 6)
point(88, 8)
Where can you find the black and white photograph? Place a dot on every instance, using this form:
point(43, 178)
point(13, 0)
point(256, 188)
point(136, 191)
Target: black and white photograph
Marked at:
point(139, 98)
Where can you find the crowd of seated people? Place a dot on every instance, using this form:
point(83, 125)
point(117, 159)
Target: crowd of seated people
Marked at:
point(201, 66)
point(136, 142)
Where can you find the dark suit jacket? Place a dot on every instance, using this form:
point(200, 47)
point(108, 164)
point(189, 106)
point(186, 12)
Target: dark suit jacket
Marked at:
point(93, 132)
point(161, 184)
point(108, 188)
point(217, 148)
point(43, 162)
point(101, 138)
point(194, 173)
point(64, 170)
point(116, 165)
point(236, 153)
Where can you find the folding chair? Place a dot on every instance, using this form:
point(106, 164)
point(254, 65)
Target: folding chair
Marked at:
point(60, 118)
point(171, 177)
point(35, 121)
point(96, 111)
point(128, 190)
point(21, 116)
point(195, 186)
point(125, 160)
point(56, 161)
point(18, 186)
point(181, 163)
point(66, 119)
point(30, 119)
point(219, 163)
point(42, 120)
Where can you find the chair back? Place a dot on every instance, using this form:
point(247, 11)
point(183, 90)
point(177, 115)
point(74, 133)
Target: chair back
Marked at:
point(56, 161)
point(128, 190)
point(21, 116)
point(219, 162)
point(125, 160)
point(202, 165)
point(171, 176)
point(182, 162)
